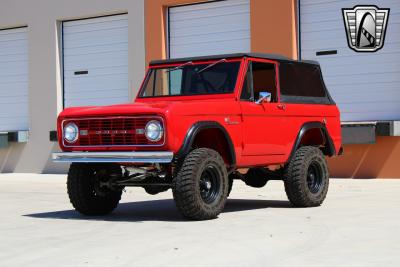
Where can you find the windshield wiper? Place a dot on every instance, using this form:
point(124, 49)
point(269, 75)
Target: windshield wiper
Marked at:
point(211, 65)
point(180, 66)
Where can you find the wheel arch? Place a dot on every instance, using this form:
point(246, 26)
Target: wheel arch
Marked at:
point(195, 132)
point(309, 129)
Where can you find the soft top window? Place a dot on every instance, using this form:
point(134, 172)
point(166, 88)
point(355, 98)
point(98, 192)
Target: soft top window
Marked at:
point(302, 83)
point(192, 79)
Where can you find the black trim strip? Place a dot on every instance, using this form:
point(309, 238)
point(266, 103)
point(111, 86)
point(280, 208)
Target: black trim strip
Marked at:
point(13, 28)
point(62, 65)
point(81, 72)
point(299, 28)
point(169, 33)
point(198, 3)
point(95, 17)
point(326, 52)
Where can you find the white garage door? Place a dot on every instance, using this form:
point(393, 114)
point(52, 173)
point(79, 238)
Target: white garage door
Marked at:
point(96, 61)
point(365, 85)
point(14, 79)
point(209, 28)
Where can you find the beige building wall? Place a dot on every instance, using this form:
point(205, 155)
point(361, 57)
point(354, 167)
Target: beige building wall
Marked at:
point(43, 18)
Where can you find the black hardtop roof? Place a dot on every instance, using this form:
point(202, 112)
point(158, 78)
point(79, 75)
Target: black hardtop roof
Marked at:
point(234, 55)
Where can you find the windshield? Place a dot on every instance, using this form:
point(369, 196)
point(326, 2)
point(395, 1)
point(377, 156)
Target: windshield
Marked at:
point(189, 79)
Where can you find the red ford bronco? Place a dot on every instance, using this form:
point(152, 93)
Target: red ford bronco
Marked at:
point(198, 124)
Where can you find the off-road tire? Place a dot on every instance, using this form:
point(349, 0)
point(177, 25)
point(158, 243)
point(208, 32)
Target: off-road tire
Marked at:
point(186, 185)
point(296, 177)
point(82, 193)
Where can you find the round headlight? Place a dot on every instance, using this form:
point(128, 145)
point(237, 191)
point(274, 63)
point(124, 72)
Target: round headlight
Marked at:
point(71, 132)
point(154, 131)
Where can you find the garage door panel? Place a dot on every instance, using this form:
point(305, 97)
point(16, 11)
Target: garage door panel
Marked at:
point(332, 25)
point(209, 28)
point(358, 80)
point(338, 72)
point(13, 34)
point(22, 57)
point(13, 73)
point(13, 67)
point(82, 39)
point(310, 7)
point(97, 81)
point(94, 101)
point(118, 92)
point(338, 39)
point(217, 48)
point(222, 8)
point(100, 47)
point(117, 87)
point(18, 88)
point(14, 79)
point(92, 61)
point(206, 27)
point(16, 48)
point(98, 71)
point(106, 57)
point(104, 20)
point(362, 84)
point(100, 25)
point(13, 100)
point(235, 35)
point(93, 81)
point(361, 107)
point(15, 123)
point(199, 22)
point(371, 93)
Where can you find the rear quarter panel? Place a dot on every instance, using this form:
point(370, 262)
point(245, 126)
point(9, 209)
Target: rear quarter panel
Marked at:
point(297, 115)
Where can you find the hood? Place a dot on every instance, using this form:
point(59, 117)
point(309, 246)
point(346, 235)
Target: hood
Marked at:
point(117, 110)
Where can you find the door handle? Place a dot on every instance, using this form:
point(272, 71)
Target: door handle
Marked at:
point(281, 106)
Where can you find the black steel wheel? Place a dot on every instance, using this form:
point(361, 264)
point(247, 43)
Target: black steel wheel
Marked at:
point(314, 177)
point(200, 188)
point(306, 177)
point(209, 184)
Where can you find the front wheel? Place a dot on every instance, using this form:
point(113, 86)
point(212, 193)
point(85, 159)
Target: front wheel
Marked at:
point(86, 192)
point(307, 178)
point(201, 186)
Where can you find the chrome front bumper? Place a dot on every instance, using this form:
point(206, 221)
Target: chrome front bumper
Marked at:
point(116, 157)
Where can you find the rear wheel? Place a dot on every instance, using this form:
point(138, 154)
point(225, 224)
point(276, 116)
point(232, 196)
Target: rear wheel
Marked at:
point(307, 177)
point(87, 192)
point(201, 186)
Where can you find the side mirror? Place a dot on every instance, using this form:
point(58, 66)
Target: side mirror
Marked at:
point(265, 97)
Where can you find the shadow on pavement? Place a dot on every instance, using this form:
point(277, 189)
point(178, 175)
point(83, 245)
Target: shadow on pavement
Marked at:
point(158, 210)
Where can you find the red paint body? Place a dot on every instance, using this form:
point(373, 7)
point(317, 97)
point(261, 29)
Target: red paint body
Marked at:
point(261, 134)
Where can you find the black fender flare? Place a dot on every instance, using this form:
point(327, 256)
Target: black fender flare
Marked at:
point(330, 148)
point(195, 129)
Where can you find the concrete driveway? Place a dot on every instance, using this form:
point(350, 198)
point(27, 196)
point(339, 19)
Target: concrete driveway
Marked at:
point(358, 225)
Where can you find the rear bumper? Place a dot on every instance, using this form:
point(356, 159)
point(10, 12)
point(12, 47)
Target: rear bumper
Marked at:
point(116, 157)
